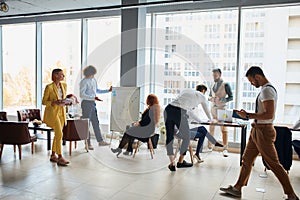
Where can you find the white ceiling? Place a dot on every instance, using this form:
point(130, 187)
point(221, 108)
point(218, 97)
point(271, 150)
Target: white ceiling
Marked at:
point(34, 7)
point(19, 7)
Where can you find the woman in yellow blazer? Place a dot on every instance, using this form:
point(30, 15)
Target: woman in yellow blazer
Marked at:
point(55, 113)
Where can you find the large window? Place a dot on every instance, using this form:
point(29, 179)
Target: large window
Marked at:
point(209, 40)
point(204, 40)
point(61, 48)
point(19, 80)
point(104, 52)
point(276, 48)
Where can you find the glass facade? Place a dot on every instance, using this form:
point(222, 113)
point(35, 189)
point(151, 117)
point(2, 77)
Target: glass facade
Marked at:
point(184, 47)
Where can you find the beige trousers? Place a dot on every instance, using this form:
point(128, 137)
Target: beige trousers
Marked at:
point(261, 141)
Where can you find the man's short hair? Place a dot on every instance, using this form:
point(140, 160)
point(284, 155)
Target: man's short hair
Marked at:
point(217, 70)
point(201, 87)
point(253, 70)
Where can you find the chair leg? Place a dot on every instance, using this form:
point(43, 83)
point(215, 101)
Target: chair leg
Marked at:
point(191, 153)
point(111, 137)
point(32, 147)
point(86, 146)
point(20, 151)
point(136, 148)
point(14, 148)
point(150, 148)
point(75, 144)
point(70, 148)
point(1, 150)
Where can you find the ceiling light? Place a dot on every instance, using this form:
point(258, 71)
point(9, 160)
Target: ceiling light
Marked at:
point(3, 7)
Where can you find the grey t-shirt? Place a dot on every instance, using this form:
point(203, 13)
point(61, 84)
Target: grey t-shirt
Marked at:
point(267, 93)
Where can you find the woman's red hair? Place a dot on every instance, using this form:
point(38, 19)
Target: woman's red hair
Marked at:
point(152, 99)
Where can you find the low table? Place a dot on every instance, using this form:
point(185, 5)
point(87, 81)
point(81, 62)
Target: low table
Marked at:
point(42, 127)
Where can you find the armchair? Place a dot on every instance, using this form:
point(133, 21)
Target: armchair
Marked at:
point(15, 133)
point(3, 116)
point(29, 114)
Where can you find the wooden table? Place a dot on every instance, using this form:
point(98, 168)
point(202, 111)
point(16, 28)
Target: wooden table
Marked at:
point(234, 125)
point(42, 128)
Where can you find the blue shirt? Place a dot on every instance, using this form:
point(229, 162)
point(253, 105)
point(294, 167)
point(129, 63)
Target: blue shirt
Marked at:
point(89, 89)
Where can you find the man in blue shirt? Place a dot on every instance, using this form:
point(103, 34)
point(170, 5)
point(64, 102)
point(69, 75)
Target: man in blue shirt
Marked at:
point(88, 91)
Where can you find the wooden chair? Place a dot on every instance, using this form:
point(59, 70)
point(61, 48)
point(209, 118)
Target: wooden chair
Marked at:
point(15, 133)
point(76, 130)
point(149, 144)
point(179, 144)
point(29, 114)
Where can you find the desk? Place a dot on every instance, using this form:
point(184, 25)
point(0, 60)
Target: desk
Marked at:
point(42, 128)
point(235, 125)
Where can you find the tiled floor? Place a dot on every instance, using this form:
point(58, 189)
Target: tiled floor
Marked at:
point(99, 174)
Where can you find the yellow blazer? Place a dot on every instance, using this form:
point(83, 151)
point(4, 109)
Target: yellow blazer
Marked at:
point(53, 112)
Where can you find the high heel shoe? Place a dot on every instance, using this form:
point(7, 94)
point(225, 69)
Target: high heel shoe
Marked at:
point(218, 144)
point(116, 150)
point(197, 157)
point(127, 153)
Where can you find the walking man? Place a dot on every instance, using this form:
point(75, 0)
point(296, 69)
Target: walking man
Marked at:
point(262, 136)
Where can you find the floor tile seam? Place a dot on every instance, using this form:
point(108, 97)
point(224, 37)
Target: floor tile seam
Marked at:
point(171, 188)
point(121, 190)
point(123, 171)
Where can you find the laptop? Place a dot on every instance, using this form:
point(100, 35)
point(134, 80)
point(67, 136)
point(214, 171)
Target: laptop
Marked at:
point(224, 115)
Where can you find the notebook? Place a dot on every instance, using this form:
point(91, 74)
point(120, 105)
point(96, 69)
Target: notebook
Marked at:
point(224, 115)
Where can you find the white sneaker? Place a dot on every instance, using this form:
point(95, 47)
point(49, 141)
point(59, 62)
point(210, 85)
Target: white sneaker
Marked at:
point(103, 143)
point(90, 147)
point(225, 153)
point(207, 150)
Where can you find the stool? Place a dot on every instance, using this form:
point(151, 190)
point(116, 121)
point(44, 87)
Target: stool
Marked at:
point(149, 144)
point(179, 140)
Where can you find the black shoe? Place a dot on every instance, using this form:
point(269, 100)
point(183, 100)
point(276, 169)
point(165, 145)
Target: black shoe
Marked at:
point(218, 144)
point(172, 168)
point(116, 150)
point(184, 164)
point(295, 198)
point(127, 153)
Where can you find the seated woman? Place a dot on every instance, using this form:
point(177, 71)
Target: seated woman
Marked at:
point(142, 129)
point(200, 133)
